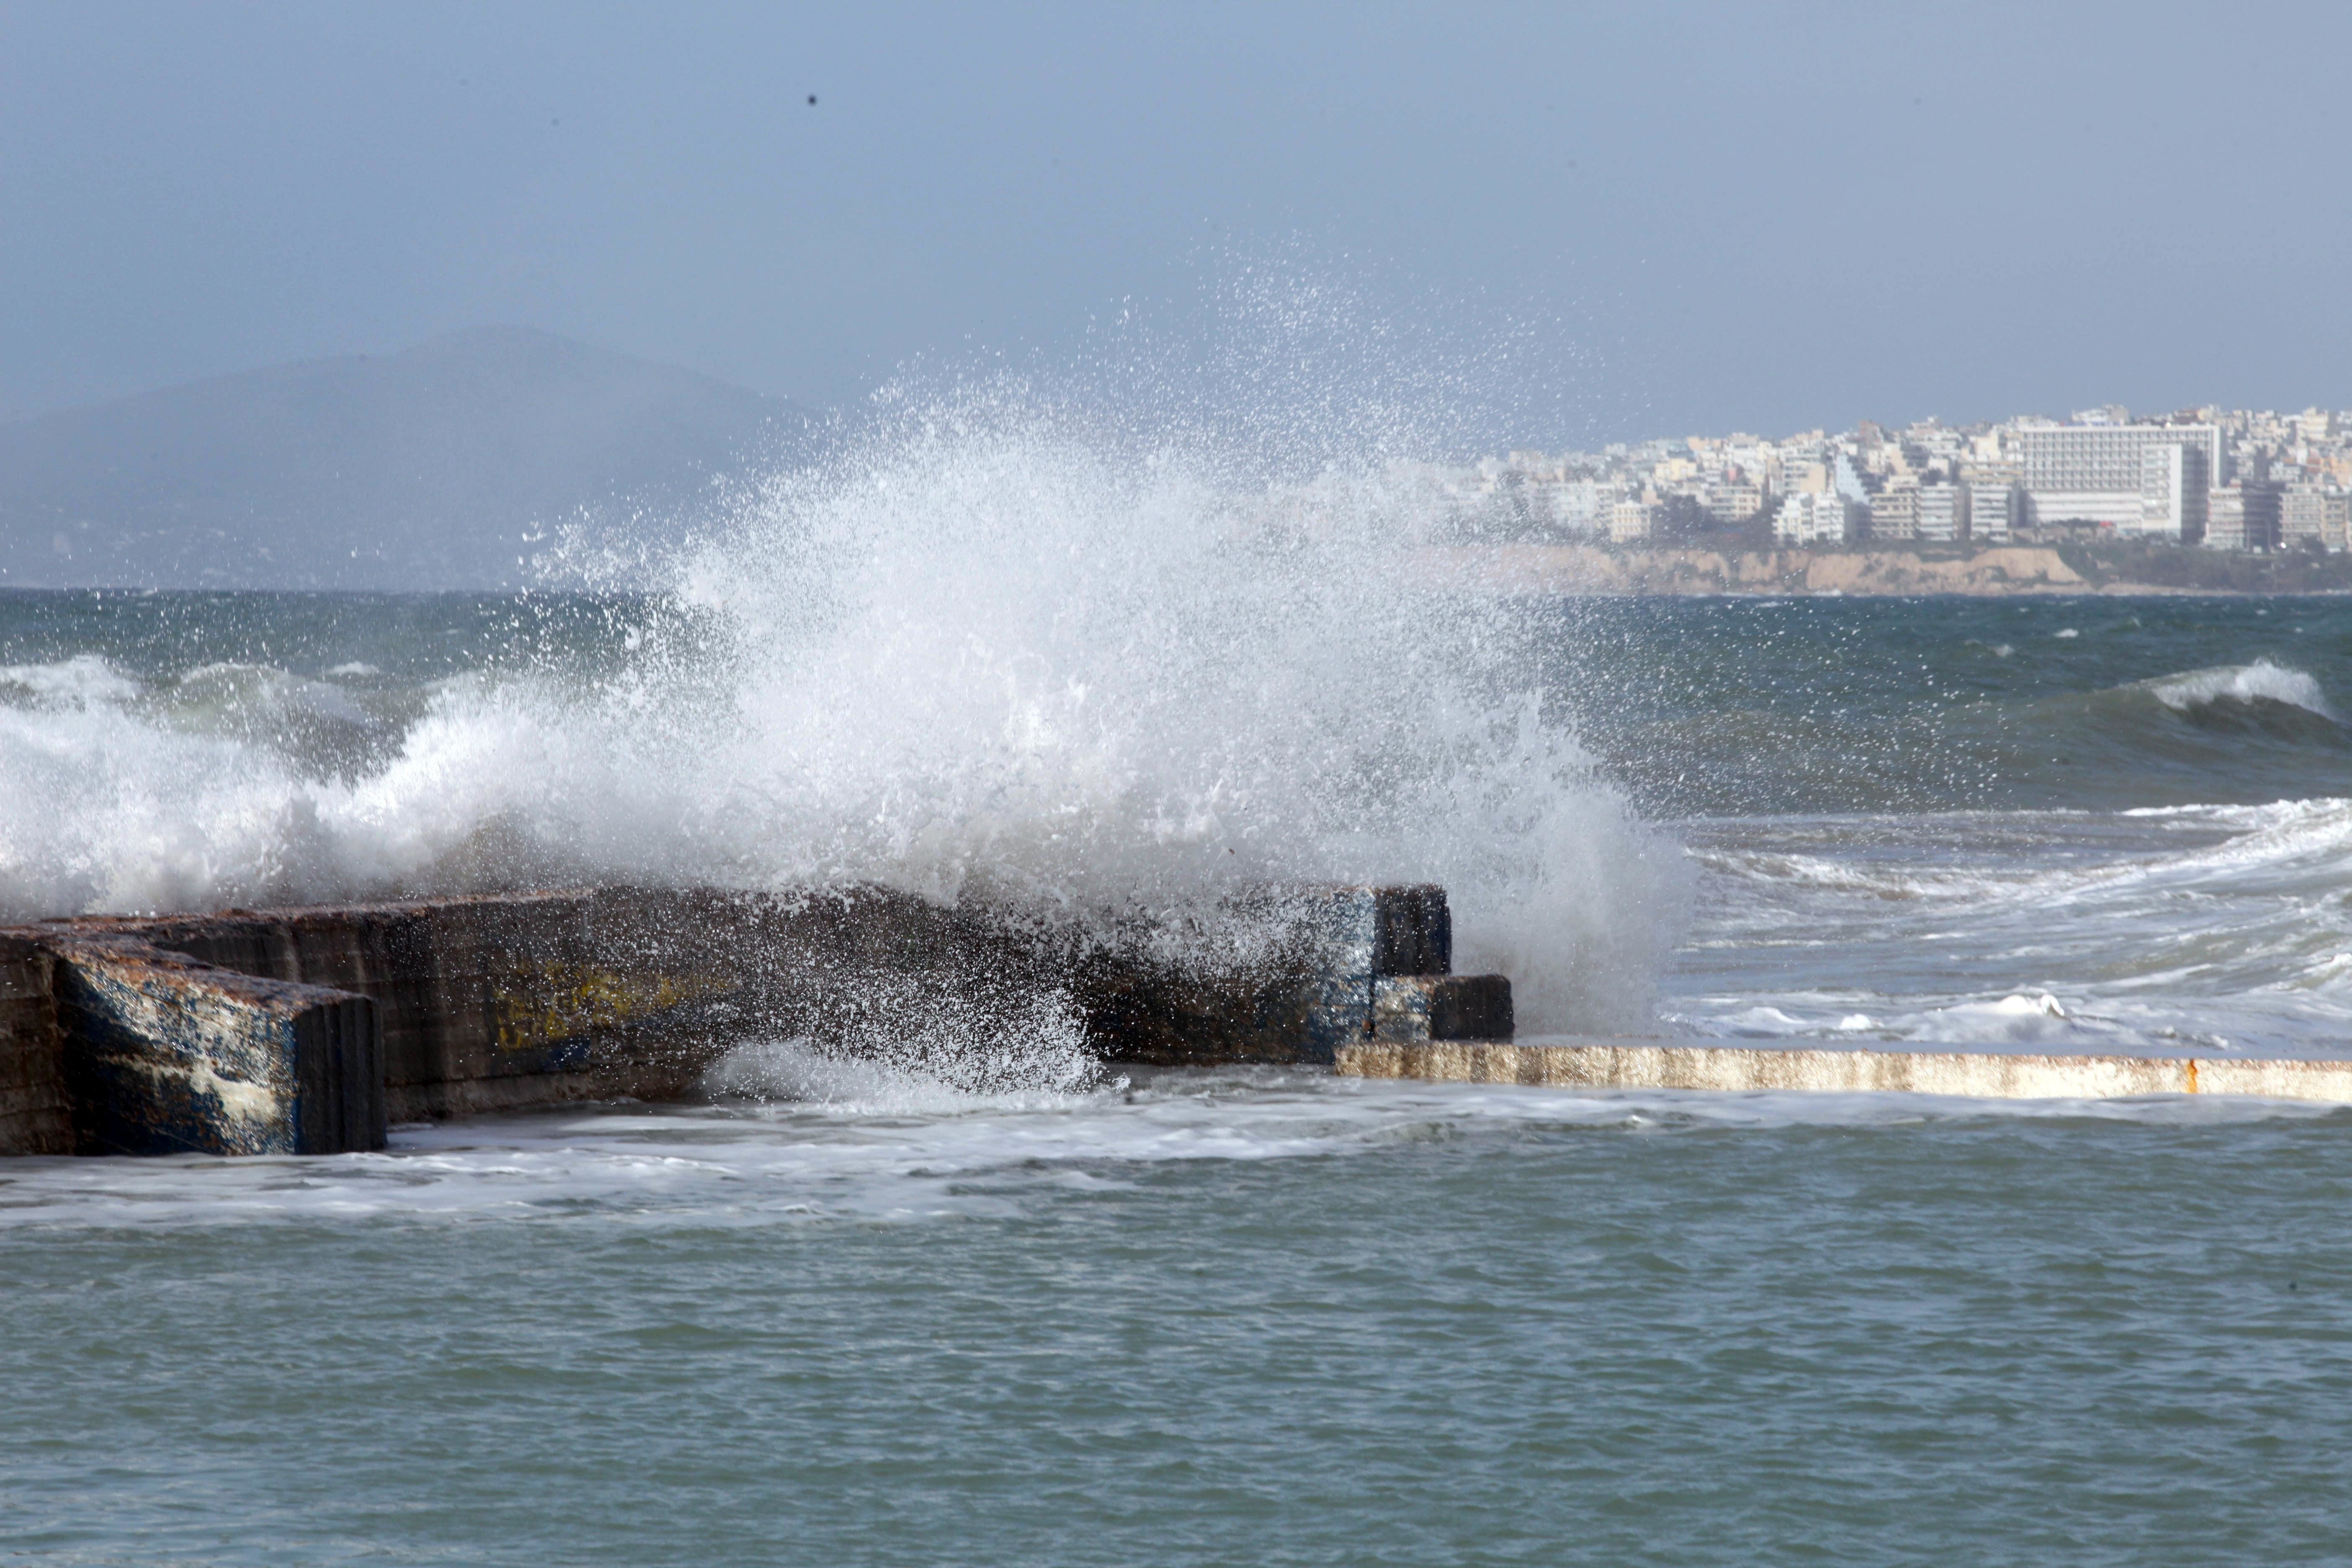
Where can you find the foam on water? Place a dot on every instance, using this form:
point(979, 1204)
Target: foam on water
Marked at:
point(887, 1148)
point(2210, 929)
point(996, 648)
point(73, 683)
point(2260, 681)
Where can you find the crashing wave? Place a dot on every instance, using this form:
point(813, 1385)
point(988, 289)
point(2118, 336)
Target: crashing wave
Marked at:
point(2259, 681)
point(995, 650)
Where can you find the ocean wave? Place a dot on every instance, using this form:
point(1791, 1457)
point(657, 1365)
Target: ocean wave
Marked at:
point(991, 651)
point(84, 680)
point(2260, 681)
point(2307, 840)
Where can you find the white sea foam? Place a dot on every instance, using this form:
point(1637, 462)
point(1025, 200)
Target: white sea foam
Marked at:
point(963, 1157)
point(997, 648)
point(2261, 680)
point(2216, 928)
point(82, 681)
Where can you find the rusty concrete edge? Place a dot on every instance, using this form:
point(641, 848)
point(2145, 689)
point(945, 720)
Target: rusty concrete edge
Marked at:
point(123, 950)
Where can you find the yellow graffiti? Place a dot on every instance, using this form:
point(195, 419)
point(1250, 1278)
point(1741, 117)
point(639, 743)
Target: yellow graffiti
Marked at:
point(542, 1003)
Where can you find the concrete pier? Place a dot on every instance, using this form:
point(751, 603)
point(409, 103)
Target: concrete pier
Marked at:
point(1724, 1067)
point(306, 1030)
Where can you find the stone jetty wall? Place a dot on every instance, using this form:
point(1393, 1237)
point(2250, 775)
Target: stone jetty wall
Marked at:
point(308, 1030)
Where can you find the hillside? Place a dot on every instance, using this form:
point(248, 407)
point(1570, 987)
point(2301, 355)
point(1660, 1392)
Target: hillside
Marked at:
point(436, 467)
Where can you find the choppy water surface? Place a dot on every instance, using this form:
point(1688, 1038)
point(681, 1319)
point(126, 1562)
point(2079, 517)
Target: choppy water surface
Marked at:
point(1203, 1320)
point(838, 1319)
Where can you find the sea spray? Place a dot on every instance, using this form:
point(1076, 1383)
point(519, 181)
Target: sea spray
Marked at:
point(995, 648)
point(996, 652)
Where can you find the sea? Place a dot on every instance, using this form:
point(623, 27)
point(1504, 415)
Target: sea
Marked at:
point(848, 1314)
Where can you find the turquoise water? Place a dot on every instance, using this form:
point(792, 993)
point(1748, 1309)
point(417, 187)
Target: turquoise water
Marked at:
point(1218, 1320)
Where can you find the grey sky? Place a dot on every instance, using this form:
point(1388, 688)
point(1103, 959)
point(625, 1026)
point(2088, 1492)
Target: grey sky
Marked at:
point(1701, 218)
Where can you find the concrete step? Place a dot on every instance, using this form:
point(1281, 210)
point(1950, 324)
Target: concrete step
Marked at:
point(1724, 1067)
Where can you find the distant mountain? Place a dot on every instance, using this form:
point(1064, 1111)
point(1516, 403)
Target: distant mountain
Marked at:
point(432, 469)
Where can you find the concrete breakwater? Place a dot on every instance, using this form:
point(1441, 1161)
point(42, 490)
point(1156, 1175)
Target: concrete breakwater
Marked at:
point(307, 1030)
point(1722, 1067)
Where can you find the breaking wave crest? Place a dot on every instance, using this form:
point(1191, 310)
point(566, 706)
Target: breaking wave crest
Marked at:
point(2260, 681)
point(995, 650)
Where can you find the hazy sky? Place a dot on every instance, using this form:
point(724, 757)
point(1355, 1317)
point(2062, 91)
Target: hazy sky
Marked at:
point(1693, 218)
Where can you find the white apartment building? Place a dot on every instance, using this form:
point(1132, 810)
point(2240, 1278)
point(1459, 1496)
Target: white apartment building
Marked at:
point(2225, 518)
point(1818, 517)
point(1940, 512)
point(1630, 521)
point(1730, 502)
point(2311, 514)
point(1581, 505)
point(1894, 512)
point(2095, 473)
point(2173, 484)
point(1992, 509)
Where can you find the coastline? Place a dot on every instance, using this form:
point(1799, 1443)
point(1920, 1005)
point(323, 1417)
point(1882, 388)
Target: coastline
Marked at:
point(2004, 569)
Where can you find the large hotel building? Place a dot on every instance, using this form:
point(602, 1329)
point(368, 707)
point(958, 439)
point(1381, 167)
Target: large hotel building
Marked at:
point(2136, 479)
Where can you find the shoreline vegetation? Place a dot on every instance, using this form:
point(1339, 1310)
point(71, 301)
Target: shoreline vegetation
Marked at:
point(2116, 567)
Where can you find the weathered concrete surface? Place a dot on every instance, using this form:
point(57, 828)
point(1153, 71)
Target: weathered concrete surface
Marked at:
point(1413, 1007)
point(35, 1111)
point(164, 1054)
point(1281, 974)
point(508, 1001)
point(1633, 1064)
point(502, 1002)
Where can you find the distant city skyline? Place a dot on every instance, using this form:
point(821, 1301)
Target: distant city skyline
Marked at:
point(2221, 477)
point(1621, 218)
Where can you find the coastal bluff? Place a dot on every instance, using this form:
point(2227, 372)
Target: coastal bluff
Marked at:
point(1590, 569)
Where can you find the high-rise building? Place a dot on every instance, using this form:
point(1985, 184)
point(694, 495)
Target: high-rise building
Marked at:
point(1992, 507)
point(2260, 505)
point(1894, 512)
point(1818, 517)
point(2173, 483)
point(2225, 518)
point(2095, 473)
point(1942, 512)
point(2312, 516)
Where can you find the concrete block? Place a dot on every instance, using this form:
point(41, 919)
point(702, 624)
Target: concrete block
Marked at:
point(1355, 936)
point(1441, 1007)
point(167, 1055)
point(35, 1110)
point(1281, 974)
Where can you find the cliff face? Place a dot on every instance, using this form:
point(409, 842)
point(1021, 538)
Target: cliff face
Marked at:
point(1584, 569)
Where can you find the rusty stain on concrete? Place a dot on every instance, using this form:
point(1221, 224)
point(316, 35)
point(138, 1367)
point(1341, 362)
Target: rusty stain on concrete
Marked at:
point(545, 1003)
point(1986, 1074)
